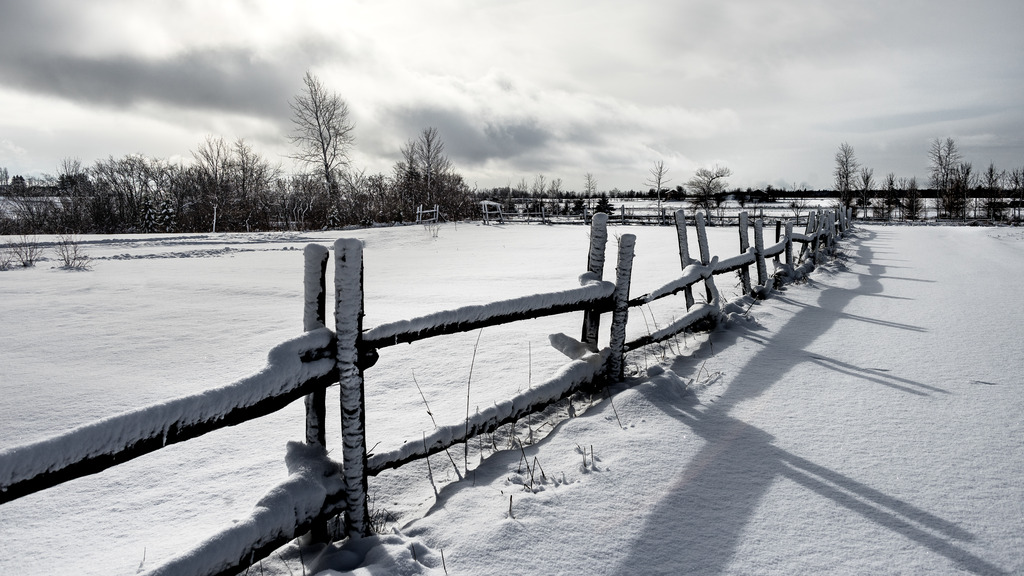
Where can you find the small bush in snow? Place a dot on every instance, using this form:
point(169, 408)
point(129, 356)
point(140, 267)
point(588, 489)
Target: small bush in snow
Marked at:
point(25, 251)
point(70, 253)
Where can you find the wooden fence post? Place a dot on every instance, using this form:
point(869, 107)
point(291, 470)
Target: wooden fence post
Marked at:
point(617, 341)
point(705, 254)
point(744, 246)
point(762, 269)
point(684, 253)
point(789, 244)
point(348, 322)
point(819, 219)
point(595, 264)
point(808, 230)
point(778, 237)
point(314, 316)
point(830, 230)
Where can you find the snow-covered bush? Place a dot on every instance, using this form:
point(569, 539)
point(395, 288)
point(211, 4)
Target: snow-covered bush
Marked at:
point(71, 254)
point(26, 251)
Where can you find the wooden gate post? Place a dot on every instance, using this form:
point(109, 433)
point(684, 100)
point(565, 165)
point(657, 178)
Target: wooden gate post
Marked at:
point(617, 341)
point(684, 252)
point(744, 226)
point(348, 322)
point(595, 264)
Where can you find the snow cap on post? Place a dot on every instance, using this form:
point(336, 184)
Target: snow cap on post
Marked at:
point(315, 285)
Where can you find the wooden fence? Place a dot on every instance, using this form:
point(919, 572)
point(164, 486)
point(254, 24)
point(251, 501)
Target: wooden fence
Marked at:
point(318, 488)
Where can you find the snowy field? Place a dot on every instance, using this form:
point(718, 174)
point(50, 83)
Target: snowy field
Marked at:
point(867, 421)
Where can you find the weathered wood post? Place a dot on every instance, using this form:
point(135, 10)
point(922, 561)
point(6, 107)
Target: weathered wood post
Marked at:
point(617, 341)
point(819, 219)
point(762, 269)
point(789, 244)
point(314, 316)
point(808, 230)
point(348, 322)
point(778, 237)
point(705, 254)
point(744, 246)
point(830, 232)
point(595, 264)
point(684, 253)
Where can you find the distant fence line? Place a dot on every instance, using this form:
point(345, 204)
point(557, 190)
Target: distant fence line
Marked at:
point(318, 488)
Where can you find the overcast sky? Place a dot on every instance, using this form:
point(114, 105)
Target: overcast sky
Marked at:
point(519, 88)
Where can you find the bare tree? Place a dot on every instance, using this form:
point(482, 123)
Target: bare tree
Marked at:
point(589, 184)
point(252, 181)
point(432, 160)
point(992, 183)
point(708, 186)
point(890, 199)
point(845, 174)
point(539, 186)
point(213, 157)
point(555, 187)
point(867, 188)
point(1015, 180)
point(658, 181)
point(322, 131)
point(912, 203)
point(944, 157)
point(962, 180)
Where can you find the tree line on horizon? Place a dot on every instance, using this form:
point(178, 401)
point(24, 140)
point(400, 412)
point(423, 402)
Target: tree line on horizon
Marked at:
point(957, 190)
point(231, 187)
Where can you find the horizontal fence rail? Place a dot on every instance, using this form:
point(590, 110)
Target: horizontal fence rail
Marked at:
point(318, 488)
point(294, 369)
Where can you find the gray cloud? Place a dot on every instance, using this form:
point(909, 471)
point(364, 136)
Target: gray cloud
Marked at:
point(470, 140)
point(226, 79)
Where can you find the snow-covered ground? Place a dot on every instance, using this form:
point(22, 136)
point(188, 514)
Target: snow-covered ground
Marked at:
point(867, 421)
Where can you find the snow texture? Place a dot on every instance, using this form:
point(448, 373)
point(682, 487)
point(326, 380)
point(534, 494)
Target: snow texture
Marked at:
point(837, 429)
point(572, 375)
point(569, 346)
point(285, 370)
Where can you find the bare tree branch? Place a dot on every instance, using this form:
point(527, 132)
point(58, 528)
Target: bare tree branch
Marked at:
point(322, 130)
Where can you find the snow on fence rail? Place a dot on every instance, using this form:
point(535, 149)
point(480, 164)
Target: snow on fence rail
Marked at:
point(318, 488)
